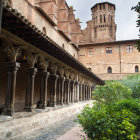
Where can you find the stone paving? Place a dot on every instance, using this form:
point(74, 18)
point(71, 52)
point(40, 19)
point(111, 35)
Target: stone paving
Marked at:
point(53, 132)
point(75, 133)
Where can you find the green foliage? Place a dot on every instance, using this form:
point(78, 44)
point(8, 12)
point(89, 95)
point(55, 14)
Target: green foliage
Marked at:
point(132, 105)
point(105, 123)
point(133, 82)
point(115, 115)
point(137, 9)
point(110, 93)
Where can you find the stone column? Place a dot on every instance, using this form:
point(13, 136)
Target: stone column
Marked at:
point(72, 91)
point(11, 87)
point(67, 82)
point(30, 89)
point(53, 80)
point(65, 93)
point(42, 104)
point(90, 92)
point(80, 92)
point(61, 90)
point(77, 91)
point(84, 89)
point(86, 92)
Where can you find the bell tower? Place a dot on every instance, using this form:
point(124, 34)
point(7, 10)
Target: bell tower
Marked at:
point(103, 22)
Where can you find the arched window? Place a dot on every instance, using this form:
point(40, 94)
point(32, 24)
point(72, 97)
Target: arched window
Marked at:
point(100, 6)
point(111, 19)
point(136, 69)
point(104, 18)
point(104, 6)
point(95, 31)
point(44, 30)
point(96, 19)
point(100, 18)
point(109, 70)
point(90, 69)
point(63, 46)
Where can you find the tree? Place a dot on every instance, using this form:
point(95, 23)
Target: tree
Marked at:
point(137, 9)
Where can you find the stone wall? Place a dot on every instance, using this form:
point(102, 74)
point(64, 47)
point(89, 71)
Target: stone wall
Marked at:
point(121, 61)
point(37, 19)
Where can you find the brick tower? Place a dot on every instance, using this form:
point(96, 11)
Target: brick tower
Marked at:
point(102, 27)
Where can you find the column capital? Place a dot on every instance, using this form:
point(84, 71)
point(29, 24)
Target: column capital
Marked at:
point(54, 76)
point(44, 74)
point(13, 65)
point(72, 81)
point(68, 80)
point(32, 71)
point(77, 83)
point(61, 78)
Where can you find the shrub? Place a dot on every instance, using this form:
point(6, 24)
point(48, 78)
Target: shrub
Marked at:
point(132, 105)
point(105, 123)
point(111, 92)
point(133, 82)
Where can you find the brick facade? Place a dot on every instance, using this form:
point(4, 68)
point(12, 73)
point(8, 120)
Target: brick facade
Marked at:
point(99, 50)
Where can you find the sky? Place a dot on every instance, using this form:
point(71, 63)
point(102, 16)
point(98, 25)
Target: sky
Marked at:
point(125, 18)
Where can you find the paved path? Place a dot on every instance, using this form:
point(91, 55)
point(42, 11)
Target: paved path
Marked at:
point(74, 134)
point(66, 130)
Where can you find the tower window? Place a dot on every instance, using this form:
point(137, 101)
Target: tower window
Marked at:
point(96, 19)
point(90, 51)
point(95, 33)
point(100, 6)
point(104, 18)
point(111, 19)
point(104, 6)
point(109, 70)
point(108, 50)
point(129, 49)
point(90, 69)
point(110, 32)
point(100, 18)
point(136, 69)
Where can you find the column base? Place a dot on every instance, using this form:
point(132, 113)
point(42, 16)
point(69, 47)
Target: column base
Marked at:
point(52, 105)
point(8, 112)
point(67, 103)
point(41, 105)
point(60, 103)
point(29, 109)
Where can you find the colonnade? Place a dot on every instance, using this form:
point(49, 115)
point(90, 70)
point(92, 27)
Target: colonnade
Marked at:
point(64, 88)
point(67, 85)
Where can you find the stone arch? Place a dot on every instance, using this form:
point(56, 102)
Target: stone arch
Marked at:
point(90, 69)
point(44, 31)
point(109, 70)
point(100, 18)
point(104, 18)
point(136, 68)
